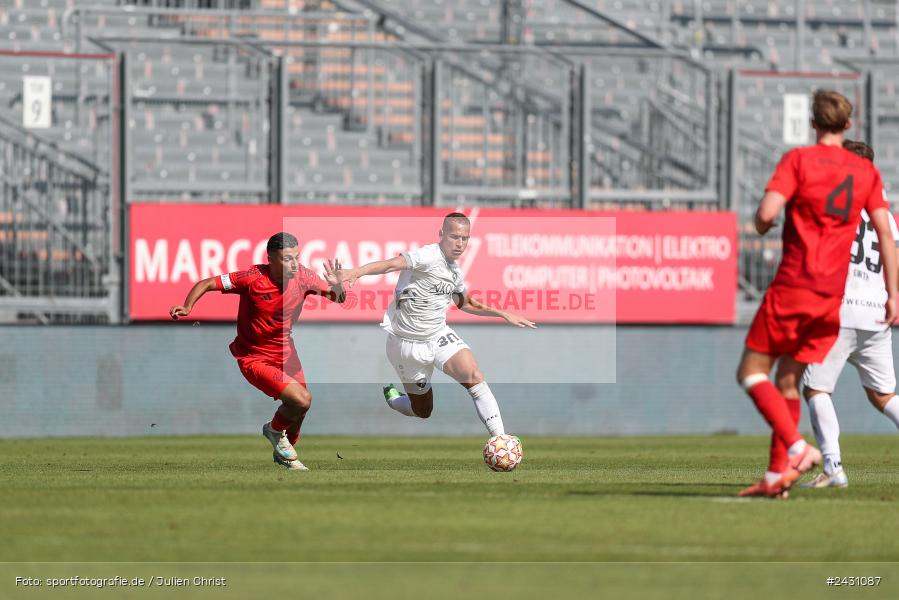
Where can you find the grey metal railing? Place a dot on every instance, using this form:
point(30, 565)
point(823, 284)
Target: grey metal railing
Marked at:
point(759, 255)
point(233, 24)
point(56, 222)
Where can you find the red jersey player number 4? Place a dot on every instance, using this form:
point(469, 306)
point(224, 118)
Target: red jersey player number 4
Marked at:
point(826, 188)
point(823, 189)
point(271, 299)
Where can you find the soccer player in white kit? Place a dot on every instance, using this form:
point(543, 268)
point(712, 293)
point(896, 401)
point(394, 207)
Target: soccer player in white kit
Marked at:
point(418, 338)
point(864, 341)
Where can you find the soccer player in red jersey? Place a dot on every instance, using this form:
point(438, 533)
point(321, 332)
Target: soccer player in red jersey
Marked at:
point(824, 188)
point(271, 298)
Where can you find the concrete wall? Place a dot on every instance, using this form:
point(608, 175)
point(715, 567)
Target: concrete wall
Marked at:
point(180, 379)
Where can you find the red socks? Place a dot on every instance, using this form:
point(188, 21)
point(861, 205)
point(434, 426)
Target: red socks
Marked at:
point(280, 422)
point(778, 459)
point(777, 412)
point(292, 428)
point(293, 433)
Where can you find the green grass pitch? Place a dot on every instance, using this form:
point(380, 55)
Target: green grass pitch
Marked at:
point(572, 500)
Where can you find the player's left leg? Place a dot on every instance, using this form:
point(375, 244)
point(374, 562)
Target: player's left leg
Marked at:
point(801, 457)
point(270, 379)
point(786, 379)
point(789, 327)
point(780, 413)
point(293, 371)
point(774, 332)
point(752, 375)
point(780, 476)
point(818, 382)
point(289, 383)
point(295, 403)
point(413, 362)
point(826, 427)
point(302, 401)
point(463, 367)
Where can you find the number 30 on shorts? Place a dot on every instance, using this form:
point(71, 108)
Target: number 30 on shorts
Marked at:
point(450, 338)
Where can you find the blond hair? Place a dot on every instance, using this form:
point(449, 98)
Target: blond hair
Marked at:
point(831, 111)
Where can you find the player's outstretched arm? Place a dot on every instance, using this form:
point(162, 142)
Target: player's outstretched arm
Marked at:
point(473, 307)
point(195, 293)
point(770, 206)
point(380, 267)
point(880, 218)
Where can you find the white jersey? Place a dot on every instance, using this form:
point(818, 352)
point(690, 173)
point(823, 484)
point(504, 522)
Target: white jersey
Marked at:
point(423, 294)
point(866, 293)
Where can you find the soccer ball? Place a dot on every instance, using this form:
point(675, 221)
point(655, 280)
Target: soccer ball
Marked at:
point(503, 452)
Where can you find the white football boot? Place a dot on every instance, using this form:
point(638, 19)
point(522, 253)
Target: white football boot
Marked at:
point(279, 442)
point(823, 480)
point(292, 465)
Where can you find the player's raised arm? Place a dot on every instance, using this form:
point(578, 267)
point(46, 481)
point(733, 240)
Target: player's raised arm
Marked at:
point(468, 304)
point(379, 267)
point(880, 219)
point(195, 293)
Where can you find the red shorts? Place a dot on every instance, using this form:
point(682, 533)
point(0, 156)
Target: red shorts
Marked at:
point(795, 321)
point(270, 376)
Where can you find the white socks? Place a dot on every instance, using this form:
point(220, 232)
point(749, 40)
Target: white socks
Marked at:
point(402, 405)
point(891, 410)
point(825, 425)
point(484, 403)
point(487, 408)
point(832, 464)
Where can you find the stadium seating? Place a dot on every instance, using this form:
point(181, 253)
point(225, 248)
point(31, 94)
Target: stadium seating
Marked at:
point(183, 91)
point(183, 117)
point(356, 125)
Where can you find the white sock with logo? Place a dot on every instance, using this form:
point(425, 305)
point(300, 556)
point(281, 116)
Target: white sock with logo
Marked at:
point(891, 410)
point(487, 408)
point(402, 404)
point(833, 463)
point(825, 424)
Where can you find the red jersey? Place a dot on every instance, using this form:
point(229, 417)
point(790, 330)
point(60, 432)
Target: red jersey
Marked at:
point(826, 189)
point(267, 312)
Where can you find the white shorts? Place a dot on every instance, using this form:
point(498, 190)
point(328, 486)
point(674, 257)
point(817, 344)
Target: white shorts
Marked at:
point(870, 352)
point(414, 360)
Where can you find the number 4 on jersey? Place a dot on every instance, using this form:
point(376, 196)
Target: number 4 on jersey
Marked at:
point(838, 210)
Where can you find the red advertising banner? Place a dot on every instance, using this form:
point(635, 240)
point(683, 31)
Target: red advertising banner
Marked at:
point(550, 266)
